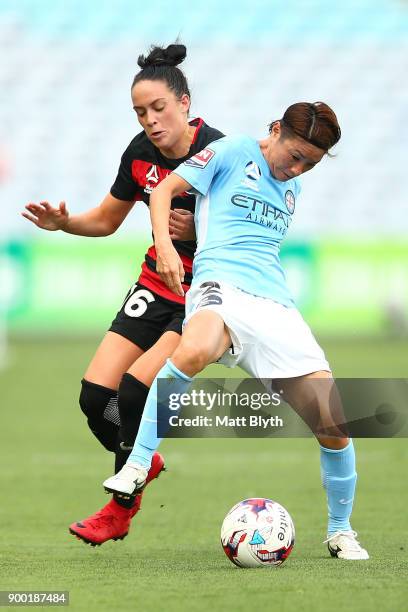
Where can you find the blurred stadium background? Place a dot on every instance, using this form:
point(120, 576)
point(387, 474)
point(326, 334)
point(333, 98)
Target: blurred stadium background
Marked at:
point(65, 118)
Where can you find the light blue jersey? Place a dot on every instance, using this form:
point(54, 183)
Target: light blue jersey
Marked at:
point(242, 215)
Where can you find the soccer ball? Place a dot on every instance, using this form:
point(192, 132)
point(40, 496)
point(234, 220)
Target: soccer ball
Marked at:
point(257, 532)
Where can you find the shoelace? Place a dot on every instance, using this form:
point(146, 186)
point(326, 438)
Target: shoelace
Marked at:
point(101, 519)
point(351, 536)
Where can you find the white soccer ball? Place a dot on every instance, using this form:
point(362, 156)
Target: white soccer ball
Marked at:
point(257, 532)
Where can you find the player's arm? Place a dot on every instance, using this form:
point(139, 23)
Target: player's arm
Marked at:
point(102, 220)
point(169, 265)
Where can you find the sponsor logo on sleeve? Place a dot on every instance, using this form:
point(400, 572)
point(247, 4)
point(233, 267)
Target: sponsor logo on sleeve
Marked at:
point(201, 159)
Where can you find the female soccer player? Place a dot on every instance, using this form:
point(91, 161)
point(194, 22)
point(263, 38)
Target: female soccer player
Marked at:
point(147, 328)
point(239, 309)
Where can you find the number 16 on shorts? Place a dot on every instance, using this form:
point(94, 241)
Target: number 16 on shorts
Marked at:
point(136, 301)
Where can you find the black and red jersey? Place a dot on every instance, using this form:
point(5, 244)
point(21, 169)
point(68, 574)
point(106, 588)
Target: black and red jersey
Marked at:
point(141, 169)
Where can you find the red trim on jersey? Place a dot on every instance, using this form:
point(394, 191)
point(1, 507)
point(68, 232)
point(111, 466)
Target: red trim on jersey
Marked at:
point(151, 280)
point(187, 261)
point(148, 175)
point(199, 124)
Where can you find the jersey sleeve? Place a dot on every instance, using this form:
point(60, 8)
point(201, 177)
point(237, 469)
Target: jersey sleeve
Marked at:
point(124, 187)
point(200, 170)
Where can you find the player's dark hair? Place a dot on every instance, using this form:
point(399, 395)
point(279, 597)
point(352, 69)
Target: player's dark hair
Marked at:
point(315, 122)
point(161, 65)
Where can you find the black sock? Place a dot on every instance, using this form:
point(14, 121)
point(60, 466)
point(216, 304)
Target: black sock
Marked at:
point(132, 395)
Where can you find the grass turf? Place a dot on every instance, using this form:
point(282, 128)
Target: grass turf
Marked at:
point(172, 560)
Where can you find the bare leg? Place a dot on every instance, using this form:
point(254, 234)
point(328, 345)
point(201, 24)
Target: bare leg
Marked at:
point(146, 367)
point(205, 338)
point(113, 357)
point(314, 397)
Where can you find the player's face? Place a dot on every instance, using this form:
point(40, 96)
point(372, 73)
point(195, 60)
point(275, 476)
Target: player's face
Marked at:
point(290, 157)
point(161, 114)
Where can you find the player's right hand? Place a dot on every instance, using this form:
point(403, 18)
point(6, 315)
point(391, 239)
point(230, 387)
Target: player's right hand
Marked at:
point(46, 217)
point(170, 268)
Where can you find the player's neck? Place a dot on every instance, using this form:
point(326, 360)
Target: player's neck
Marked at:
point(264, 146)
point(182, 146)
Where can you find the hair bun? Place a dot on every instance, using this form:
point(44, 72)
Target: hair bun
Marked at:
point(159, 56)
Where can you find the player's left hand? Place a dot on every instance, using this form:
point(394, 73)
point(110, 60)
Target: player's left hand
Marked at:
point(170, 268)
point(181, 224)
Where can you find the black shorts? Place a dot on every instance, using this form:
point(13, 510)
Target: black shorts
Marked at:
point(145, 316)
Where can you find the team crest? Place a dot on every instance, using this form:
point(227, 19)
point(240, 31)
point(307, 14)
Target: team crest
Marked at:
point(290, 201)
point(201, 159)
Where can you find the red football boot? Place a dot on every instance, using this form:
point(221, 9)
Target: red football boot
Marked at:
point(112, 522)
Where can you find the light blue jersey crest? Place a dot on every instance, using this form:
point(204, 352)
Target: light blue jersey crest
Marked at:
point(242, 215)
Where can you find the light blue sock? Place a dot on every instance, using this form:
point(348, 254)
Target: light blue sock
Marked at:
point(338, 470)
point(146, 440)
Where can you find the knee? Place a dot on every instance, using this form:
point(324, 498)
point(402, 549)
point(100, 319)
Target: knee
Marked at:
point(99, 404)
point(96, 400)
point(190, 357)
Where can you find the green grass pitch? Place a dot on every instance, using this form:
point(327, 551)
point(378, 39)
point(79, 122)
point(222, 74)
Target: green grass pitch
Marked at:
point(52, 471)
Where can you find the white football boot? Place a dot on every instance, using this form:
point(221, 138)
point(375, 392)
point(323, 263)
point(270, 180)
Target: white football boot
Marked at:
point(343, 545)
point(128, 482)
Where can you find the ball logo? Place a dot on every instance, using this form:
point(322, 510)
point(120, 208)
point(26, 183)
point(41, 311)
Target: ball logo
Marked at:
point(290, 201)
point(147, 175)
point(253, 171)
point(152, 176)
